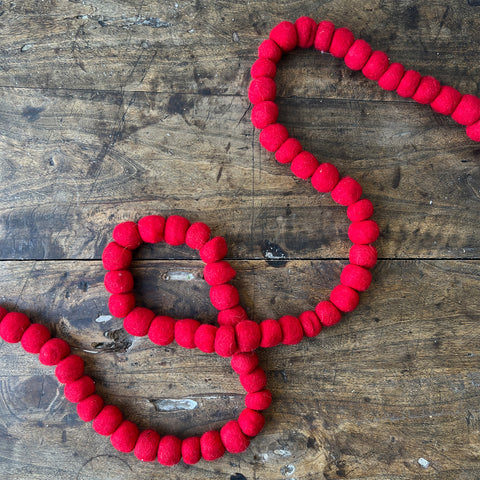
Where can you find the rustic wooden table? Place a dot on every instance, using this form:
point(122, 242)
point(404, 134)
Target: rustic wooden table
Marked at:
point(114, 110)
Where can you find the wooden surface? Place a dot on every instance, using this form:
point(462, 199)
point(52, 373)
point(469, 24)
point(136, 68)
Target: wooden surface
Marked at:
point(114, 110)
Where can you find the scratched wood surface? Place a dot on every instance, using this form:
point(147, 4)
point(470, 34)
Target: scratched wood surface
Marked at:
point(114, 110)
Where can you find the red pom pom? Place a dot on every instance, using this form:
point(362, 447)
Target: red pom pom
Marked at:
point(325, 178)
point(79, 390)
point(262, 89)
point(185, 332)
point(356, 277)
point(344, 298)
point(116, 257)
point(254, 381)
point(327, 313)
point(251, 422)
point(264, 114)
point(269, 49)
point(232, 316)
point(53, 351)
point(233, 438)
point(69, 369)
point(197, 235)
point(151, 228)
point(191, 450)
point(427, 90)
point(138, 321)
point(118, 281)
point(391, 78)
point(358, 54)
point(284, 35)
point(304, 165)
point(467, 111)
point(376, 65)
point(218, 273)
point(363, 255)
point(214, 250)
point(205, 338)
point(306, 30)
point(273, 136)
point(13, 326)
point(248, 335)
point(361, 210)
point(126, 235)
point(90, 407)
point(125, 437)
point(147, 446)
point(263, 67)
point(323, 36)
point(347, 191)
point(169, 450)
point(121, 304)
point(176, 230)
point(35, 336)
point(108, 420)
point(271, 333)
point(258, 400)
point(211, 446)
point(363, 232)
point(162, 330)
point(473, 131)
point(409, 83)
point(291, 329)
point(310, 323)
point(244, 362)
point(288, 150)
point(446, 101)
point(225, 341)
point(342, 40)
point(224, 296)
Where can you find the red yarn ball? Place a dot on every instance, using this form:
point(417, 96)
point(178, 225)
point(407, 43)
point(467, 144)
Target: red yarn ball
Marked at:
point(356, 277)
point(185, 332)
point(251, 422)
point(327, 313)
point(409, 83)
point(214, 250)
point(162, 330)
point(205, 338)
point(232, 316)
point(69, 369)
point(427, 90)
point(447, 100)
point(284, 35)
point(361, 210)
point(269, 49)
point(126, 235)
point(325, 178)
point(468, 110)
point(197, 235)
point(233, 438)
point(147, 446)
point(264, 114)
point(344, 298)
point(79, 390)
point(363, 255)
point(13, 326)
point(53, 351)
point(310, 323)
point(306, 30)
point(176, 230)
point(254, 381)
point(304, 165)
point(118, 281)
point(244, 362)
point(347, 191)
point(224, 296)
point(289, 149)
point(218, 273)
point(116, 257)
point(376, 65)
point(89, 407)
point(211, 446)
point(248, 335)
point(138, 321)
point(323, 36)
point(169, 450)
point(262, 89)
point(342, 40)
point(108, 420)
point(35, 336)
point(273, 136)
point(258, 400)
point(191, 453)
point(225, 341)
point(358, 54)
point(271, 333)
point(363, 232)
point(151, 228)
point(263, 67)
point(292, 330)
point(473, 131)
point(391, 78)
point(121, 304)
point(125, 437)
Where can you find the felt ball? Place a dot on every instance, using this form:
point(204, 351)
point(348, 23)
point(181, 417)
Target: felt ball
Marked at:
point(225, 341)
point(232, 316)
point(344, 298)
point(244, 362)
point(271, 333)
point(360, 210)
point(327, 313)
point(126, 235)
point(69, 369)
point(342, 40)
point(258, 400)
point(289, 149)
point(447, 100)
point(409, 83)
point(264, 114)
point(468, 110)
point(138, 321)
point(376, 65)
point(363, 255)
point(304, 165)
point(176, 230)
point(89, 407)
point(269, 49)
point(53, 351)
point(211, 445)
point(116, 257)
point(224, 296)
point(218, 272)
point(391, 78)
point(356, 277)
point(473, 131)
point(35, 336)
point(125, 437)
point(80, 389)
point(306, 30)
point(284, 35)
point(3, 312)
point(162, 330)
point(169, 450)
point(251, 422)
point(262, 89)
point(427, 90)
point(118, 281)
point(254, 381)
point(263, 67)
point(233, 438)
point(325, 178)
point(291, 329)
point(151, 228)
point(197, 235)
point(323, 36)
point(214, 250)
point(358, 54)
point(185, 332)
point(273, 136)
point(108, 420)
point(347, 191)
point(191, 453)
point(147, 446)
point(310, 323)
point(205, 338)
point(363, 232)
point(121, 304)
point(248, 335)
point(13, 326)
